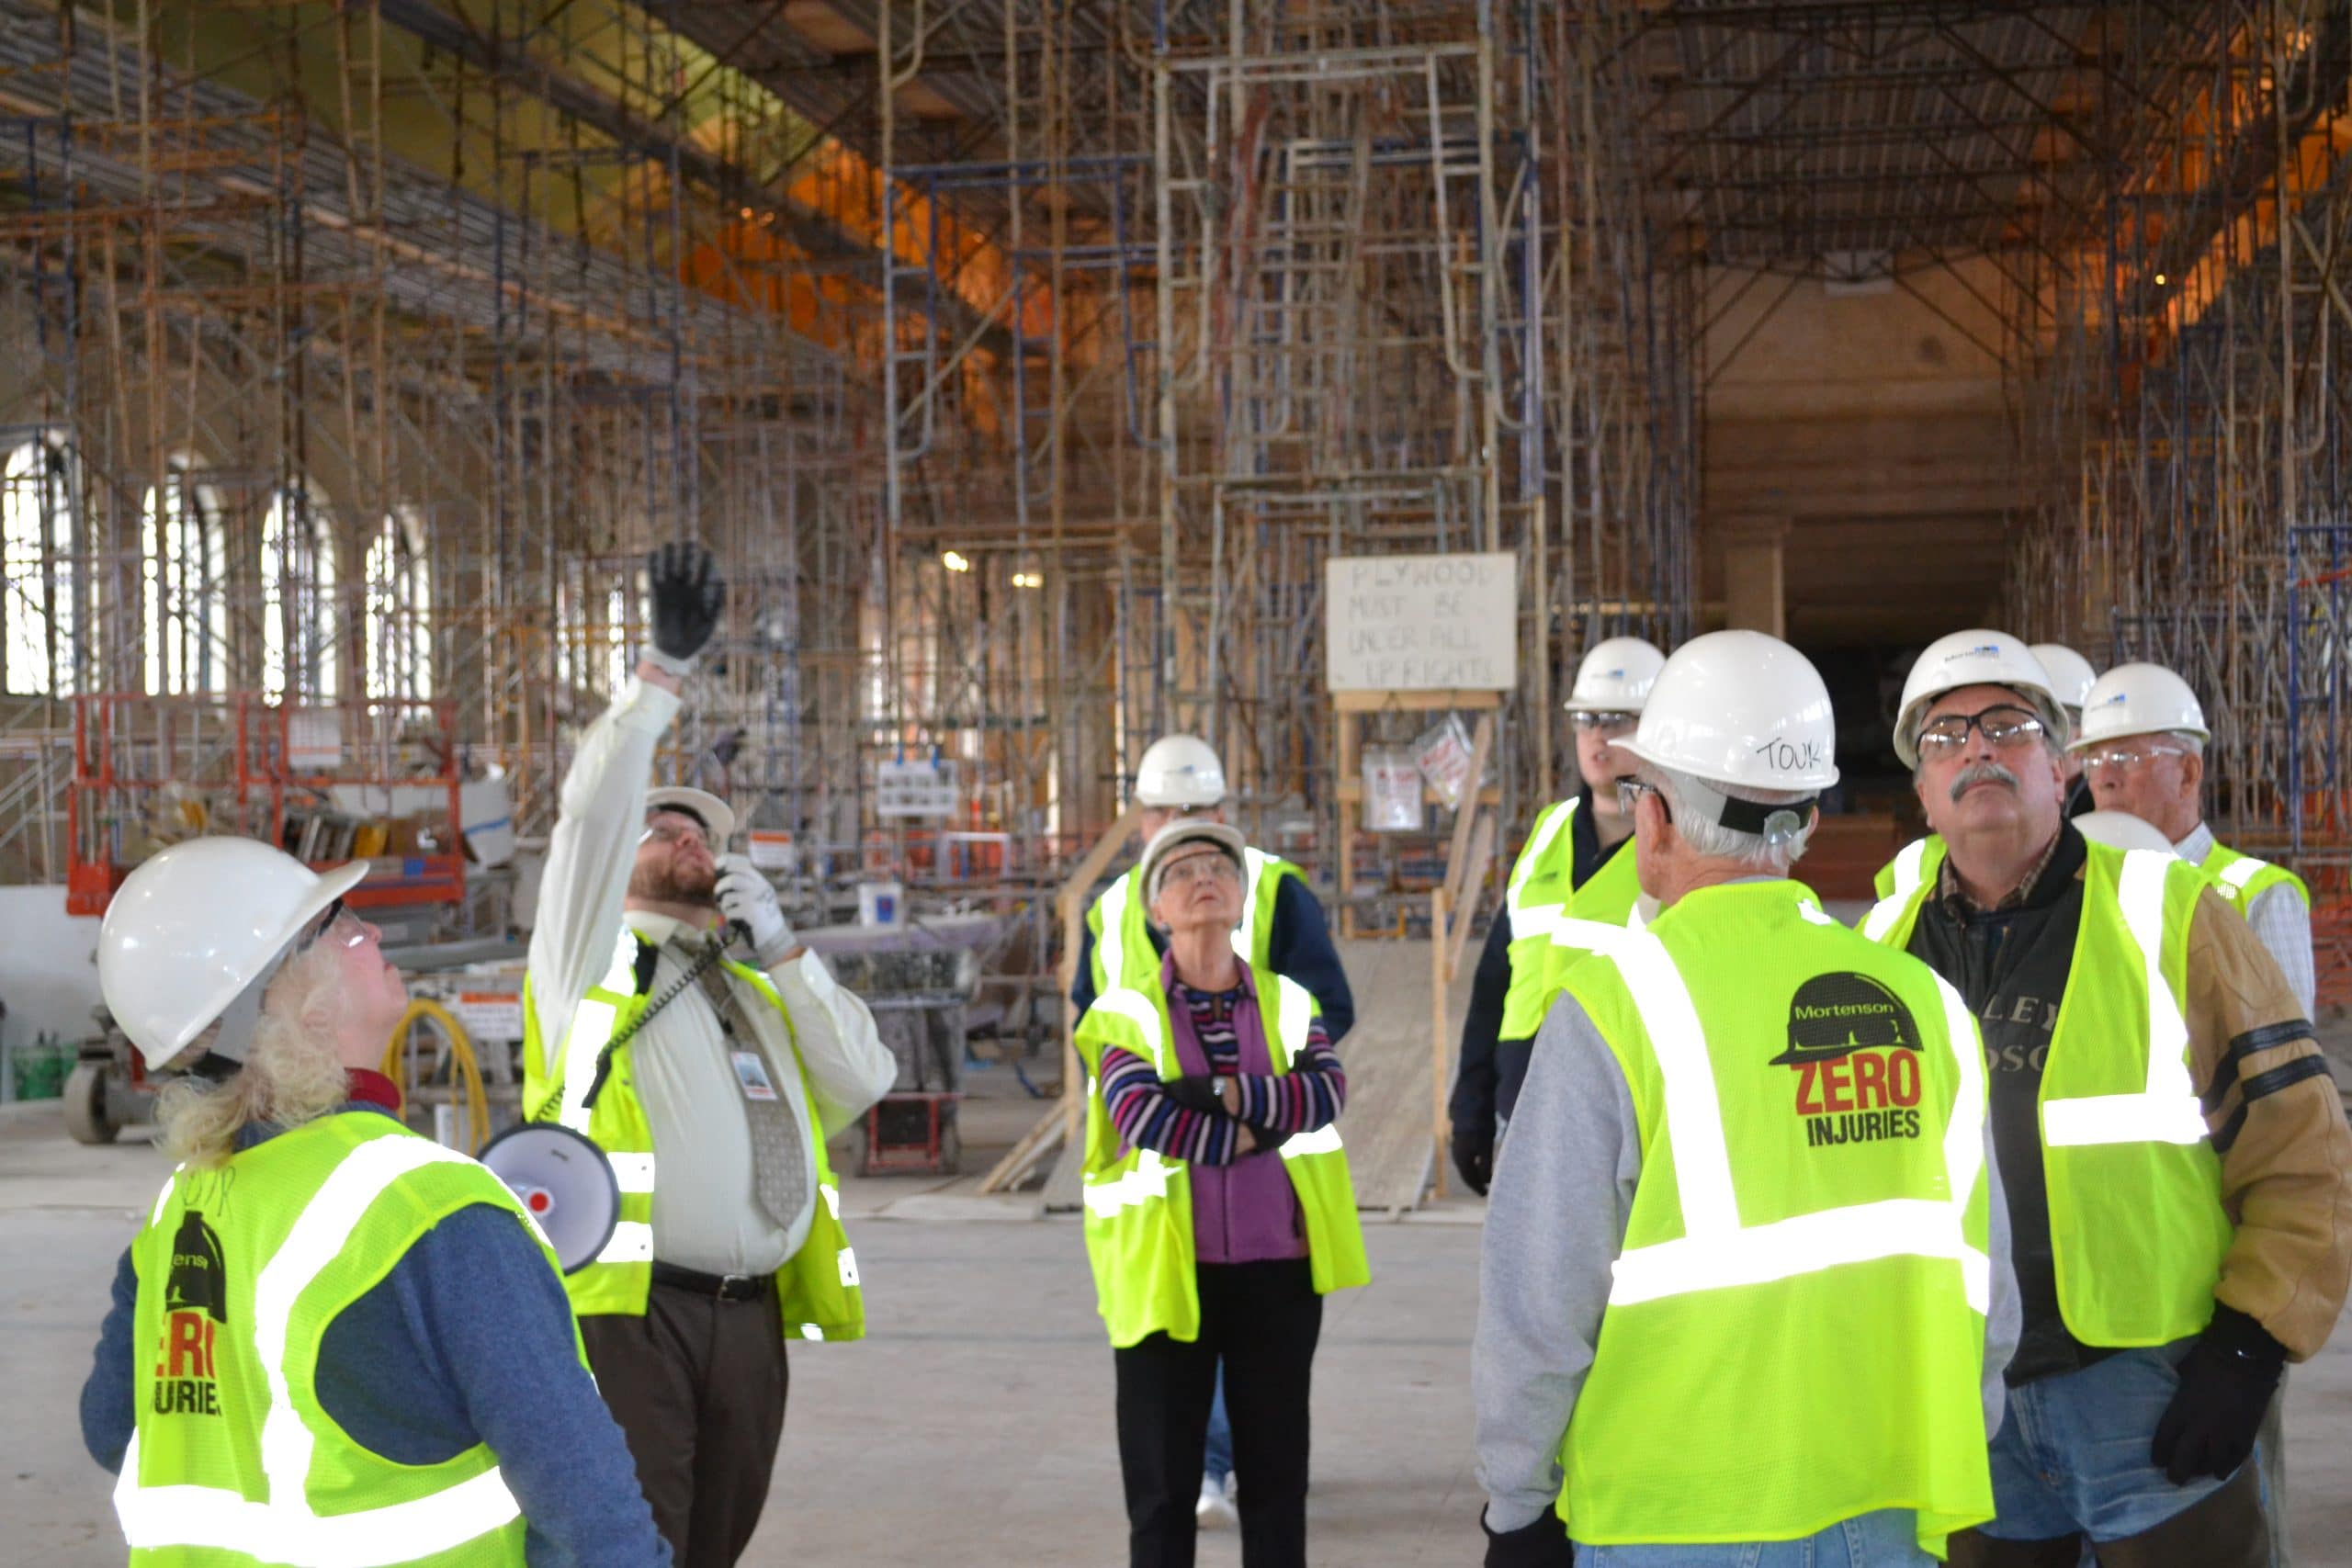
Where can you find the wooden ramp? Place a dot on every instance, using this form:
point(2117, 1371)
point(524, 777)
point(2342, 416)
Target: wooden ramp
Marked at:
point(1386, 1124)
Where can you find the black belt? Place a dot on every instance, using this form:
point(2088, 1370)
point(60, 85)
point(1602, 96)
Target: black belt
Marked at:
point(725, 1287)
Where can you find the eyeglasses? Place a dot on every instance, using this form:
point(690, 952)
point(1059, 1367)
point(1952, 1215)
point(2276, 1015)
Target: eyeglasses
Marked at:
point(1630, 793)
point(2123, 759)
point(336, 927)
point(676, 833)
point(1610, 725)
point(1191, 868)
point(2003, 726)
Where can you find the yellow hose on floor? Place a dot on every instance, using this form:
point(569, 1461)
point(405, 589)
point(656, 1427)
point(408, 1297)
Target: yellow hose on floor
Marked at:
point(464, 1070)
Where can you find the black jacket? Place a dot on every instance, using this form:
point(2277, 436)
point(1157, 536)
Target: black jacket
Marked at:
point(1485, 1085)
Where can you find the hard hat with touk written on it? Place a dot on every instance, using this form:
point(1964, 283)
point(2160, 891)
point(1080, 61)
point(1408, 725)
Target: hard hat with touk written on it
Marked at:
point(1743, 709)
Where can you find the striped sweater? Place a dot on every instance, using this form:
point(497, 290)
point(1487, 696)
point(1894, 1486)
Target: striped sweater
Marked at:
point(1308, 1097)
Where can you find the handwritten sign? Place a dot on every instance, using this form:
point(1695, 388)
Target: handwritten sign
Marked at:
point(1421, 623)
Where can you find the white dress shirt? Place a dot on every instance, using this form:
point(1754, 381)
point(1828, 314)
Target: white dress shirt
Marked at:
point(704, 1216)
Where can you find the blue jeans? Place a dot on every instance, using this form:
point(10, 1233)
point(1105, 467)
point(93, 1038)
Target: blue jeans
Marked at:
point(2072, 1454)
point(1217, 1459)
point(1887, 1538)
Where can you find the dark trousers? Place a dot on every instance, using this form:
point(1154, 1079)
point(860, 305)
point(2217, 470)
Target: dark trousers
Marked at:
point(1263, 1319)
point(2222, 1530)
point(698, 1385)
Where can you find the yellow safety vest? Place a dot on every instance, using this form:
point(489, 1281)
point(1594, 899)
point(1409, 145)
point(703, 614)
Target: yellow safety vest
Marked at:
point(241, 1269)
point(1916, 865)
point(1542, 880)
point(1139, 1201)
point(1121, 924)
point(818, 1294)
point(2242, 878)
point(2137, 1230)
point(1795, 1326)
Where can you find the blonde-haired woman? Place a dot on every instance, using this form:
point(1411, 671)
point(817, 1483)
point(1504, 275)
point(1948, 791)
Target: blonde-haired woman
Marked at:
point(333, 1340)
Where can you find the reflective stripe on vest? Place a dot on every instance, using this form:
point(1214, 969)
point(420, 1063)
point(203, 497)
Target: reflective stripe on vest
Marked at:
point(1910, 871)
point(2237, 874)
point(1111, 944)
point(1538, 843)
point(283, 1530)
point(1715, 1250)
point(804, 1278)
point(2167, 1112)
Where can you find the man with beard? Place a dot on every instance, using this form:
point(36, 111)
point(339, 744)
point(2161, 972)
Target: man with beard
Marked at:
point(2174, 1156)
point(719, 1078)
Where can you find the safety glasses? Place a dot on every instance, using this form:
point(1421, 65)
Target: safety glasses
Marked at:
point(335, 927)
point(2004, 726)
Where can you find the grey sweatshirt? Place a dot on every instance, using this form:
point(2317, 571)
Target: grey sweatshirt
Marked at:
point(1556, 1224)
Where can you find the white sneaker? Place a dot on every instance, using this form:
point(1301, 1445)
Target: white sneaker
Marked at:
point(1216, 1509)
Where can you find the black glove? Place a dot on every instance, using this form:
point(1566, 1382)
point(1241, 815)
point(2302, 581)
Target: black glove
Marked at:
point(1474, 1156)
point(1263, 1140)
point(1543, 1544)
point(688, 594)
point(1195, 1092)
point(2226, 1385)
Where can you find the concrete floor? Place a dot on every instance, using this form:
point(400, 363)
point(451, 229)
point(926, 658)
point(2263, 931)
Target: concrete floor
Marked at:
point(974, 1426)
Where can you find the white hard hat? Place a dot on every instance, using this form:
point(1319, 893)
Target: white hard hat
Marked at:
point(717, 817)
point(2070, 673)
point(1188, 831)
point(1615, 676)
point(2121, 831)
point(1180, 769)
point(2139, 699)
point(193, 929)
point(1974, 658)
point(1740, 708)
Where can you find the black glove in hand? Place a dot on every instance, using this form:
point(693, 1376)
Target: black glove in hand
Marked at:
point(1194, 1092)
point(2226, 1385)
point(687, 593)
point(1264, 1140)
point(1474, 1156)
point(1543, 1544)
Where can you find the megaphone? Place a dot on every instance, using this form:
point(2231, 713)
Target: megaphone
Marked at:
point(564, 1183)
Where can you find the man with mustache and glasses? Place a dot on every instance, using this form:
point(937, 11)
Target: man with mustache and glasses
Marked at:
point(2175, 1158)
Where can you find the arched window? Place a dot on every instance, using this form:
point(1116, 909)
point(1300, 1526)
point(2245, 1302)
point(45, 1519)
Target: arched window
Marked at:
point(400, 609)
point(592, 624)
point(298, 582)
point(186, 579)
point(39, 571)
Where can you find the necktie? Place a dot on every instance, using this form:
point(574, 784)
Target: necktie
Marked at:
point(779, 1147)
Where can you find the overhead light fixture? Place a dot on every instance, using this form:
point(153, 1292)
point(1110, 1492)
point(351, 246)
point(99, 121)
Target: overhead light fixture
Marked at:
point(747, 212)
point(953, 561)
point(2160, 280)
point(1028, 580)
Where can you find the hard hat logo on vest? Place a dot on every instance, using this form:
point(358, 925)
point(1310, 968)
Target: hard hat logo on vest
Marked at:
point(1855, 1049)
point(196, 1303)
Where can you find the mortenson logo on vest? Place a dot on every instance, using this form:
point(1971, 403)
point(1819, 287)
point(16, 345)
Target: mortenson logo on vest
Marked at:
point(1855, 1052)
point(196, 1303)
